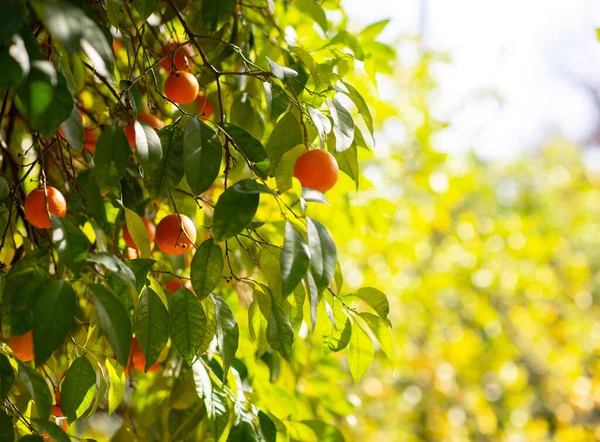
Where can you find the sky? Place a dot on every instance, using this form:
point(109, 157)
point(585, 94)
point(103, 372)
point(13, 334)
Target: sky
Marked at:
point(521, 71)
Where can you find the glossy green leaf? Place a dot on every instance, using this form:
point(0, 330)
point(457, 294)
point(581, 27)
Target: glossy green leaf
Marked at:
point(36, 93)
point(137, 231)
point(53, 316)
point(382, 332)
point(112, 153)
point(187, 323)
point(115, 265)
point(279, 331)
point(151, 326)
point(54, 431)
point(206, 268)
point(215, 14)
point(38, 389)
point(234, 211)
point(323, 252)
point(360, 352)
point(285, 168)
point(337, 334)
point(343, 125)
point(140, 268)
point(277, 100)
point(71, 243)
point(243, 431)
point(246, 143)
point(375, 299)
point(170, 170)
point(116, 384)
point(294, 259)
point(146, 7)
point(211, 323)
point(7, 376)
point(361, 105)
point(228, 333)
point(7, 431)
point(285, 135)
point(72, 129)
point(325, 432)
point(348, 163)
point(203, 152)
point(148, 148)
point(78, 388)
point(315, 11)
point(114, 319)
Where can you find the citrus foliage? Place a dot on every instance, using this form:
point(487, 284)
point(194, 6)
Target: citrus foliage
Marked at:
point(180, 121)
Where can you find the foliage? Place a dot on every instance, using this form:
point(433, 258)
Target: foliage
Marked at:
point(245, 356)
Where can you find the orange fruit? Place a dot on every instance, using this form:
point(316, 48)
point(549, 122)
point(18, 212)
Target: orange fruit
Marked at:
point(181, 87)
point(180, 60)
point(175, 284)
point(116, 45)
point(150, 228)
point(22, 346)
point(171, 238)
point(149, 119)
point(317, 169)
point(35, 206)
point(205, 107)
point(89, 140)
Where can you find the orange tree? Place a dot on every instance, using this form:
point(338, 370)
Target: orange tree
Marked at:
point(126, 125)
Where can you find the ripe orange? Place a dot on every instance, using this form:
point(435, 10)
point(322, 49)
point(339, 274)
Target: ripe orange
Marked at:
point(205, 107)
point(171, 238)
point(35, 206)
point(149, 119)
point(175, 284)
point(317, 169)
point(22, 346)
point(150, 228)
point(181, 60)
point(181, 87)
point(89, 140)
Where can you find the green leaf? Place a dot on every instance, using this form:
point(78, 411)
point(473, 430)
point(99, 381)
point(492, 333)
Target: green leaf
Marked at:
point(11, 19)
point(211, 323)
point(277, 100)
point(112, 154)
point(146, 7)
point(206, 268)
point(315, 11)
point(38, 389)
point(337, 334)
point(382, 333)
point(360, 353)
point(228, 333)
point(147, 147)
point(307, 60)
point(281, 72)
point(246, 143)
point(137, 231)
point(72, 127)
point(279, 331)
point(286, 134)
point(140, 268)
point(268, 428)
point(203, 152)
point(7, 431)
point(375, 299)
point(36, 93)
point(115, 265)
point(78, 388)
point(285, 168)
point(71, 243)
point(170, 171)
point(361, 105)
point(14, 61)
point(374, 29)
point(294, 259)
point(116, 387)
point(114, 319)
point(325, 432)
point(53, 316)
point(215, 14)
point(4, 188)
point(313, 297)
point(346, 39)
point(343, 125)
point(151, 326)
point(187, 324)
point(53, 430)
point(7, 376)
point(323, 253)
point(104, 209)
point(234, 211)
point(31, 438)
point(243, 431)
point(348, 163)
point(314, 196)
point(321, 122)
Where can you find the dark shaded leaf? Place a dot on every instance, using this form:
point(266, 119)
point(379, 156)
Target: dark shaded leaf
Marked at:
point(151, 326)
point(170, 171)
point(294, 259)
point(112, 153)
point(38, 389)
point(187, 324)
point(203, 152)
point(234, 211)
point(227, 332)
point(71, 243)
point(78, 388)
point(206, 268)
point(323, 252)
